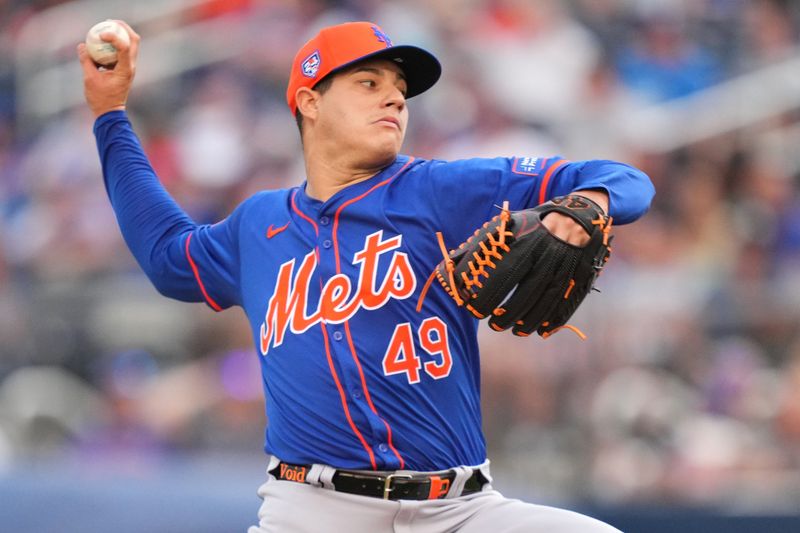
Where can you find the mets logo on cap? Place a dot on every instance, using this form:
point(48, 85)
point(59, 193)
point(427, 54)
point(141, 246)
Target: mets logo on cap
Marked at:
point(310, 65)
point(382, 37)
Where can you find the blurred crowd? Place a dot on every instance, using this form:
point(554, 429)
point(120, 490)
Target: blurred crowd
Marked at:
point(688, 388)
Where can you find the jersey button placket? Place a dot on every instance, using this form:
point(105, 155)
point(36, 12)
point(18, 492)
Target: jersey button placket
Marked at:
point(372, 427)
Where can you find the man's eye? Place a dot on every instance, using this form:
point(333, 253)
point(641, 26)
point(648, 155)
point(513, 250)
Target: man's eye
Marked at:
point(368, 83)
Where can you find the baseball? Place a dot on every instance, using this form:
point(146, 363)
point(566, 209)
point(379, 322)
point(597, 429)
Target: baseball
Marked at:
point(101, 52)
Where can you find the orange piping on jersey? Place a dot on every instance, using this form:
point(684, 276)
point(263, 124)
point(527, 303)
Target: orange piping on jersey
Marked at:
point(344, 400)
point(369, 397)
point(346, 323)
point(335, 376)
point(546, 180)
point(303, 215)
point(214, 305)
point(354, 200)
point(425, 290)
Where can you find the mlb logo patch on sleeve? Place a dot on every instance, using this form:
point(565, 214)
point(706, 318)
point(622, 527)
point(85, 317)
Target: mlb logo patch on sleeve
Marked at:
point(527, 165)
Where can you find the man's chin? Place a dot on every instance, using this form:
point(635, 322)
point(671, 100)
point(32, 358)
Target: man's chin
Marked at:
point(384, 156)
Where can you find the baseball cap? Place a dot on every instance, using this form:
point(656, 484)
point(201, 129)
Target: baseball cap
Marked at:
point(336, 47)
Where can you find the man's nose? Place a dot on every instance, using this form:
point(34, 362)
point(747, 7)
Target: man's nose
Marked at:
point(396, 98)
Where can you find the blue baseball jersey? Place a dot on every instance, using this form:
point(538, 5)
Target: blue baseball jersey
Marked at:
point(366, 364)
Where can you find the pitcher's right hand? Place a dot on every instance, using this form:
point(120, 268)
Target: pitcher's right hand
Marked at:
point(107, 89)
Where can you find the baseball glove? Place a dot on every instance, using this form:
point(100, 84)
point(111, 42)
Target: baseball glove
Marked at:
point(522, 276)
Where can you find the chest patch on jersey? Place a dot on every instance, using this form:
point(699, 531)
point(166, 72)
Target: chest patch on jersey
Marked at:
point(527, 165)
point(289, 308)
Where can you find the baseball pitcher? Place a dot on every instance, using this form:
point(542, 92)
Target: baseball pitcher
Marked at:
point(364, 287)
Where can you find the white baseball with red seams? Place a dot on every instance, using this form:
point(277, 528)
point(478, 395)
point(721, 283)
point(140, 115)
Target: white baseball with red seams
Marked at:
point(103, 53)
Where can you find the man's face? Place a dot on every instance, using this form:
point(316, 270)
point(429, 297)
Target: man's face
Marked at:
point(365, 111)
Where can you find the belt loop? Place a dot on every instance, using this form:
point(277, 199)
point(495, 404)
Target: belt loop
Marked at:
point(463, 473)
point(313, 475)
point(484, 468)
point(326, 476)
point(272, 465)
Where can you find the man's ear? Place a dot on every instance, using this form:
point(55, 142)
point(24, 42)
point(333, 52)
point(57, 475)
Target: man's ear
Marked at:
point(307, 102)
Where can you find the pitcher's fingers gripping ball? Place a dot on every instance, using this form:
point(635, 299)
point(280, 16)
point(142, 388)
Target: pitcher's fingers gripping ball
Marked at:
point(514, 270)
point(103, 52)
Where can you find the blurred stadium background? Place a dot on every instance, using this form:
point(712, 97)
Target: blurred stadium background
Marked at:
point(123, 411)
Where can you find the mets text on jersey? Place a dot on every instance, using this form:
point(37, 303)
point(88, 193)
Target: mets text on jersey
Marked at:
point(289, 307)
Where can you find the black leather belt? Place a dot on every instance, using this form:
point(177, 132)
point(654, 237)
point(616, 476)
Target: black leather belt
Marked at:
point(387, 486)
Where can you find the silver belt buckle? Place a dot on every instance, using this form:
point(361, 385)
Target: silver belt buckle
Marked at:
point(388, 482)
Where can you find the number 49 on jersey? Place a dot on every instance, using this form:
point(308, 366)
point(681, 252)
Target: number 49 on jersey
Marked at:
point(401, 356)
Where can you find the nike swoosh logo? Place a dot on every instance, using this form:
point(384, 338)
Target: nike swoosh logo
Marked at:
point(272, 230)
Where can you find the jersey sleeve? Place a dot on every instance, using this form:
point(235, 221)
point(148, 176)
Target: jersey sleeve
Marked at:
point(465, 193)
point(183, 260)
point(212, 253)
point(630, 190)
point(468, 192)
